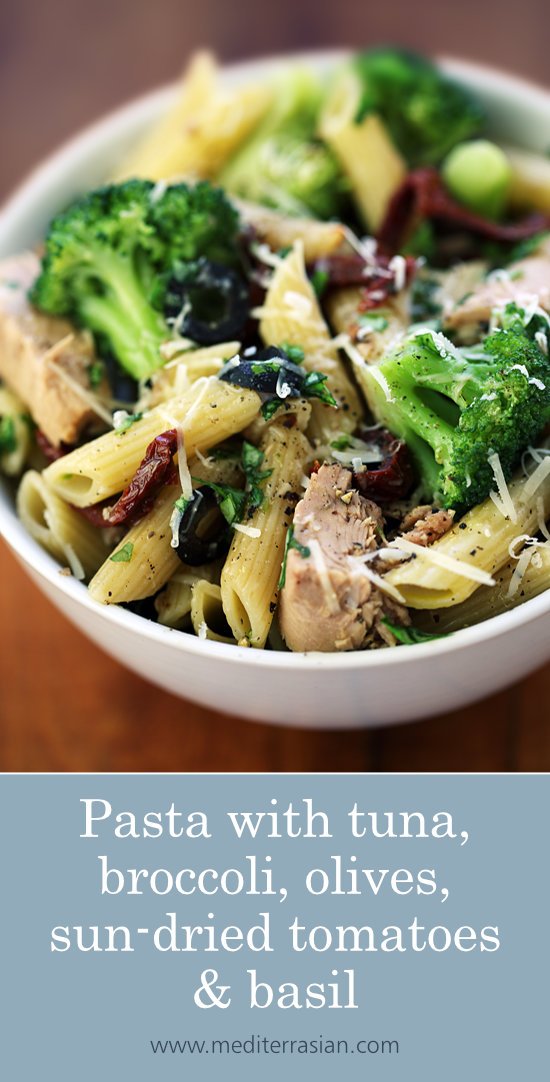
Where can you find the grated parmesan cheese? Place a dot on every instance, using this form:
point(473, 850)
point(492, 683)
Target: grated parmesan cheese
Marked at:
point(440, 559)
point(249, 531)
point(536, 479)
point(183, 468)
point(503, 501)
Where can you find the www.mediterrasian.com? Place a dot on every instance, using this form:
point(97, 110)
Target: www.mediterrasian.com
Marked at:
point(256, 1045)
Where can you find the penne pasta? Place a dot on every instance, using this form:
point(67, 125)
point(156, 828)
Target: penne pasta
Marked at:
point(208, 413)
point(184, 369)
point(490, 601)
point(61, 530)
point(207, 615)
point(251, 572)
point(144, 560)
point(202, 129)
point(368, 157)
point(291, 314)
point(479, 542)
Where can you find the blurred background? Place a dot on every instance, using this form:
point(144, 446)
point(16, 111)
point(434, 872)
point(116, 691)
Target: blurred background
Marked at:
point(63, 705)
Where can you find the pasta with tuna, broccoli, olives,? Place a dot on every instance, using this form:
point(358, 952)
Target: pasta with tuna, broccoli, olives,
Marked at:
point(285, 381)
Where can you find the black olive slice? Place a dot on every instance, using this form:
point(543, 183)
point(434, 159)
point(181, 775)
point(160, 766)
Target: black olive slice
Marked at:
point(267, 371)
point(203, 532)
point(208, 301)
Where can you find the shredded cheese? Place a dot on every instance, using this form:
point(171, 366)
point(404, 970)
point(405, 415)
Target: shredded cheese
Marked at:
point(440, 559)
point(503, 501)
point(249, 531)
point(537, 478)
point(183, 468)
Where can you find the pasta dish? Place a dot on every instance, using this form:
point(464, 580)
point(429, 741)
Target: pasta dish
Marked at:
point(283, 380)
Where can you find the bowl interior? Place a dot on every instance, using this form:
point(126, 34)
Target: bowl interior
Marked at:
point(518, 113)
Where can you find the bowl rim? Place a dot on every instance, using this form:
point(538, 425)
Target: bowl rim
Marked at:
point(40, 563)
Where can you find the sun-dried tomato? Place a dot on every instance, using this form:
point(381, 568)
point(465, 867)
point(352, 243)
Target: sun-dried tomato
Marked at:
point(423, 196)
point(394, 478)
point(155, 470)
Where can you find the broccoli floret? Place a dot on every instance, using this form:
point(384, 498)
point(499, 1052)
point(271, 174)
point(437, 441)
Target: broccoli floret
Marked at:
point(284, 165)
point(110, 255)
point(454, 411)
point(426, 112)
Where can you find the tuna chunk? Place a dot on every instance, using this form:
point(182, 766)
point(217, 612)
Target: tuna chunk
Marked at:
point(328, 602)
point(426, 524)
point(43, 359)
point(524, 282)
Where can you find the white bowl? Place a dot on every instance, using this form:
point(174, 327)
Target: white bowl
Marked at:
point(317, 690)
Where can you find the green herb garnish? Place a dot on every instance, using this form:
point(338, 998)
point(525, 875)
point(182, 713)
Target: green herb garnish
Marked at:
point(127, 423)
point(341, 443)
point(294, 353)
point(251, 460)
point(96, 372)
point(8, 439)
point(269, 408)
point(123, 555)
point(291, 543)
point(319, 281)
point(411, 636)
point(375, 323)
point(314, 387)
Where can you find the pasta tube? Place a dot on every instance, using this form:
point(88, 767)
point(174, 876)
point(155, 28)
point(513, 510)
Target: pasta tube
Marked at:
point(373, 164)
point(203, 128)
point(492, 600)
point(144, 560)
point(207, 615)
point(251, 572)
point(209, 413)
point(479, 542)
point(291, 313)
point(61, 530)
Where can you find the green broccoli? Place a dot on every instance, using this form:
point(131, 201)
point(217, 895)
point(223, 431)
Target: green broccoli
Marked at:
point(454, 411)
point(426, 112)
point(283, 165)
point(110, 255)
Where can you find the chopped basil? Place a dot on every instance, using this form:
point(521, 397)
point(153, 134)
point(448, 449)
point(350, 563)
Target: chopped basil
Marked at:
point(319, 281)
point(251, 460)
point(410, 636)
point(123, 555)
point(270, 408)
point(423, 303)
point(8, 440)
point(314, 387)
point(341, 443)
point(96, 372)
point(374, 323)
point(231, 501)
point(294, 353)
point(526, 247)
point(181, 504)
point(234, 502)
point(127, 423)
point(291, 543)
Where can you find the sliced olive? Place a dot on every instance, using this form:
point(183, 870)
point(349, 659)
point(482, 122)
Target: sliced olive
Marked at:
point(203, 533)
point(208, 301)
point(268, 371)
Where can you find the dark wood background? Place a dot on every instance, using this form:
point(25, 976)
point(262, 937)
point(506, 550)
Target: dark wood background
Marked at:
point(63, 704)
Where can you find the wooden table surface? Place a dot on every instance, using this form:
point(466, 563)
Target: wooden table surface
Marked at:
point(63, 704)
